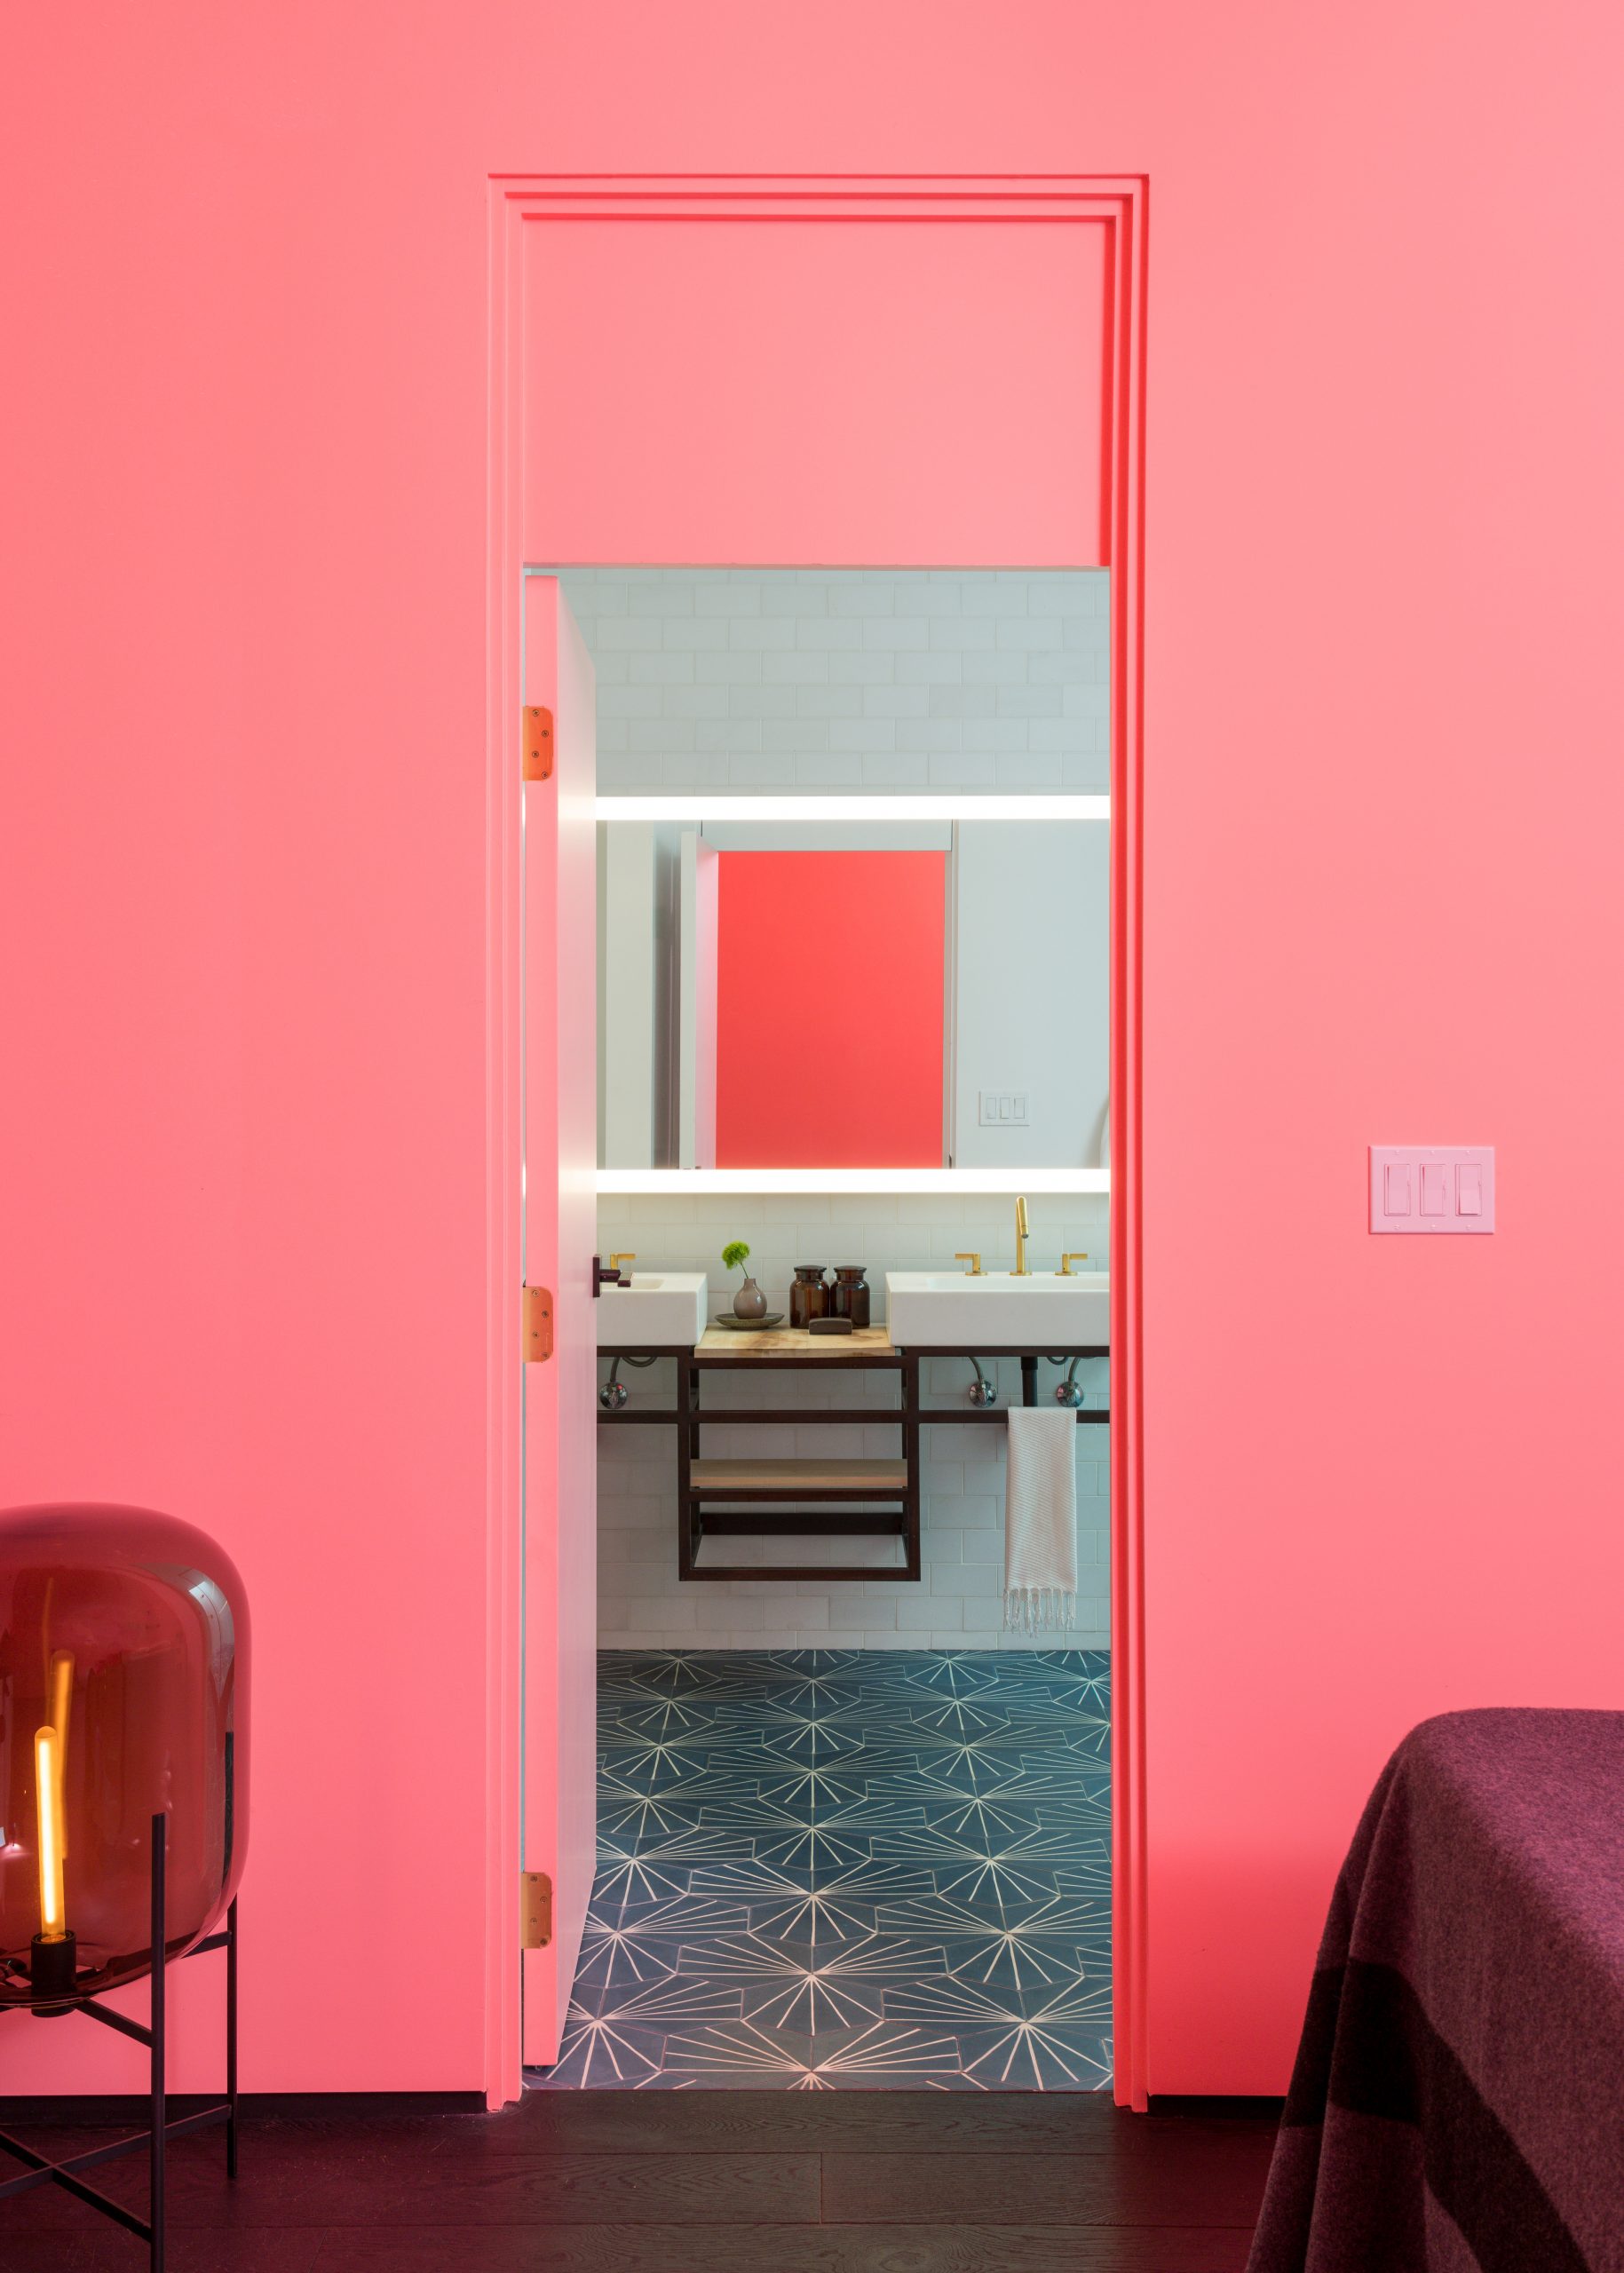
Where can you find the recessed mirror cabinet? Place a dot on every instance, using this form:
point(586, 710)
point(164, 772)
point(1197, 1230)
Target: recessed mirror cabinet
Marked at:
point(856, 994)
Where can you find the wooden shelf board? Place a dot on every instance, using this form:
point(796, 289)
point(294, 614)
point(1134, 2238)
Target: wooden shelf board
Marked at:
point(798, 1475)
point(790, 1341)
point(805, 1523)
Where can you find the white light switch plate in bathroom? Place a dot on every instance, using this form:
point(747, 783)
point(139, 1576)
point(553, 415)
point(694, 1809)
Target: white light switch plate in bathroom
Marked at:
point(1003, 1108)
point(1432, 1188)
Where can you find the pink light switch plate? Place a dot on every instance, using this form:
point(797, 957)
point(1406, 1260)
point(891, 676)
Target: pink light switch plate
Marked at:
point(1432, 1188)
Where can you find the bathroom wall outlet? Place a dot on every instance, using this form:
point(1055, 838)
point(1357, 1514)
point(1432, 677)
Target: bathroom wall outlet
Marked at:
point(1432, 1187)
point(1003, 1108)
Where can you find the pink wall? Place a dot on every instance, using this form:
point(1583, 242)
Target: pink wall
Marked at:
point(243, 911)
point(860, 392)
point(830, 1007)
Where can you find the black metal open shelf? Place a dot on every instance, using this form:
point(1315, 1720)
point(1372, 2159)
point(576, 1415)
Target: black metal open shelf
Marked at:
point(719, 1498)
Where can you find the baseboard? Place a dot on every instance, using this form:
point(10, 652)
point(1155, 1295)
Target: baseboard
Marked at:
point(135, 2108)
point(1232, 2107)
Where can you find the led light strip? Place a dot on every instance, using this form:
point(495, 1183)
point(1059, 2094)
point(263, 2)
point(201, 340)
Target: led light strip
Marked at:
point(701, 805)
point(837, 1180)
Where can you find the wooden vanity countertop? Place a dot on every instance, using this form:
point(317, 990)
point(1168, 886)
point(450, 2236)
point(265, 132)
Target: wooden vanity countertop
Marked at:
point(795, 1341)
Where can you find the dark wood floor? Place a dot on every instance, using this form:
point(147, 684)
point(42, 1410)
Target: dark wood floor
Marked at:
point(703, 2182)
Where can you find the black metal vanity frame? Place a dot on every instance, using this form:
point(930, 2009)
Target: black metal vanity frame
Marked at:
point(707, 1508)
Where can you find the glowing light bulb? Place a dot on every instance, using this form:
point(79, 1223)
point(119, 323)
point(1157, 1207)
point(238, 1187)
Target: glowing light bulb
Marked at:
point(48, 1783)
point(61, 1690)
point(61, 1697)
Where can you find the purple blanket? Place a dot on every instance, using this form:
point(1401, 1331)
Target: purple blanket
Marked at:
point(1458, 2101)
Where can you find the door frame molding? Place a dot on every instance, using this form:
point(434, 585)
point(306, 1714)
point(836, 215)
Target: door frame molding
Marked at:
point(519, 200)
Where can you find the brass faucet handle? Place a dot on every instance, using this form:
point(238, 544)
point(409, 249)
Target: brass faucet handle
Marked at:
point(615, 1260)
point(1066, 1260)
point(974, 1261)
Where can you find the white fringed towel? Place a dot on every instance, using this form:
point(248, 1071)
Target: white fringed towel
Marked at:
point(1040, 1532)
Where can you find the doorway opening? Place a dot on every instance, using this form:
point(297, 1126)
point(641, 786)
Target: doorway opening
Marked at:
point(853, 1826)
point(760, 440)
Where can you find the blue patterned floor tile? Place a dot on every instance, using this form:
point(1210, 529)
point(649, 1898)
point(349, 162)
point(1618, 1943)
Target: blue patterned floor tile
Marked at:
point(635, 1878)
point(599, 2055)
point(839, 1870)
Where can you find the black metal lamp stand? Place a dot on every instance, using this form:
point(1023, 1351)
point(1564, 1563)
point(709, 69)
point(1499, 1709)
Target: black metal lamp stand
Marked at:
point(43, 2173)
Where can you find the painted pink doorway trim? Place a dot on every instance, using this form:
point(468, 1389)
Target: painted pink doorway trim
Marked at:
point(1116, 206)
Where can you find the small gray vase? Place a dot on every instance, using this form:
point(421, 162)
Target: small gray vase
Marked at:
point(749, 1301)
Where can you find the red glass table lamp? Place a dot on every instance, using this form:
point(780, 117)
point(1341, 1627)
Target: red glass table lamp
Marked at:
point(123, 1796)
point(123, 1698)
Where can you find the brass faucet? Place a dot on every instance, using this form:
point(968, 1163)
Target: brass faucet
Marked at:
point(964, 1255)
point(1022, 1232)
point(1066, 1260)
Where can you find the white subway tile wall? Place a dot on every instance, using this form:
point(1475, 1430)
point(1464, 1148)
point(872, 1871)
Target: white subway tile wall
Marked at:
point(848, 679)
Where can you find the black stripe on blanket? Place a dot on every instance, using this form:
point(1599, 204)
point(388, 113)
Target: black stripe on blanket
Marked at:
point(1369, 2048)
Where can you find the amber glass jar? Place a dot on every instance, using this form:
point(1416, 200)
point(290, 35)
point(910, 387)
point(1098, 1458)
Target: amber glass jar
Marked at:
point(123, 1695)
point(848, 1297)
point(809, 1297)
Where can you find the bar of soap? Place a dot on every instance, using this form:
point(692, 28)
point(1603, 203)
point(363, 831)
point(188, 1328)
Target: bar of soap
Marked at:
point(830, 1325)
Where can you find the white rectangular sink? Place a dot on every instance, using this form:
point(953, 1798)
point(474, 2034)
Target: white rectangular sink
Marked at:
point(659, 1310)
point(1043, 1312)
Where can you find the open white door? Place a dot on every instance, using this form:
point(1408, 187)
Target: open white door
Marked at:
point(559, 1834)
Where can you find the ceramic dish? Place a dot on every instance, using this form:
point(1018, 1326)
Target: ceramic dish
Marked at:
point(750, 1324)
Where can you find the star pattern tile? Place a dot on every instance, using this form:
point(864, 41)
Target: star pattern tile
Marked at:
point(839, 1870)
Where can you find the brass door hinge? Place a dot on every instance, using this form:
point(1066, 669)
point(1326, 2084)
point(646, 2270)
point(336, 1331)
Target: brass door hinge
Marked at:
point(535, 1910)
point(538, 744)
point(535, 1324)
